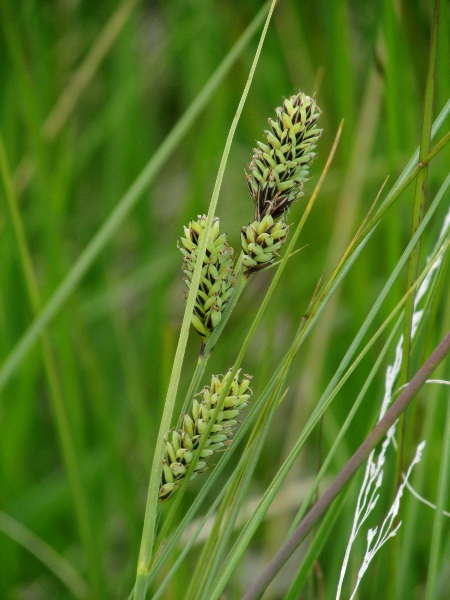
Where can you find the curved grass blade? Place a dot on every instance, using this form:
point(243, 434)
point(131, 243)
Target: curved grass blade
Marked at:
point(56, 563)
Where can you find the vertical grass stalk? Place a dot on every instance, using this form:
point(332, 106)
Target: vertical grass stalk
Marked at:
point(148, 533)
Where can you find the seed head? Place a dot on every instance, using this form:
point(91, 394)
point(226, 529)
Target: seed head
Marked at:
point(181, 444)
point(261, 242)
point(280, 166)
point(217, 278)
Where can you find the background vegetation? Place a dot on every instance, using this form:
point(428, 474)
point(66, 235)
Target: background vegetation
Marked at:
point(89, 91)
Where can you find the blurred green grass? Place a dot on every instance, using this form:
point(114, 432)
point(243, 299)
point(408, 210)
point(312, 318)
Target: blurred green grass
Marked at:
point(115, 338)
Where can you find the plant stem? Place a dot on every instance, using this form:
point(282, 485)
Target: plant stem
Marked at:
point(419, 195)
point(436, 538)
point(207, 349)
point(358, 458)
point(148, 533)
point(413, 265)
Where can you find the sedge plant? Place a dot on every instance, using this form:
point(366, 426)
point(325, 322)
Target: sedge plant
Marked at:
point(275, 180)
point(102, 172)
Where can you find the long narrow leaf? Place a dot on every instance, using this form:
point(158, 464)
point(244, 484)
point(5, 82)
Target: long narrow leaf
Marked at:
point(124, 206)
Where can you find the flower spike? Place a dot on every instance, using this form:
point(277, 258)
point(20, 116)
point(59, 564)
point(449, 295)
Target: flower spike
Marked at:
point(181, 444)
point(280, 165)
point(217, 278)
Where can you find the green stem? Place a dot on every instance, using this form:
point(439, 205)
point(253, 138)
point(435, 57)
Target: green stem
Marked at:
point(232, 505)
point(148, 532)
point(419, 197)
point(193, 508)
point(418, 212)
point(203, 568)
point(438, 523)
point(193, 387)
point(207, 348)
point(359, 457)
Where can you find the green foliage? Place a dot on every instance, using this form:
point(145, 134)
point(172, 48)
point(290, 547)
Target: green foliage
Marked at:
point(113, 121)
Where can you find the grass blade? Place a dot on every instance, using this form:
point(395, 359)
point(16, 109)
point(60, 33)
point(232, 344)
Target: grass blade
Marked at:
point(123, 208)
point(148, 533)
point(350, 469)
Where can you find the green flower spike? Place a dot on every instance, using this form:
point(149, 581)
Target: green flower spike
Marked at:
point(217, 278)
point(181, 444)
point(261, 242)
point(280, 166)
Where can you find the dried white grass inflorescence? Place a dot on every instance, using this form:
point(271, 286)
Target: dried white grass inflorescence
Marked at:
point(181, 444)
point(373, 477)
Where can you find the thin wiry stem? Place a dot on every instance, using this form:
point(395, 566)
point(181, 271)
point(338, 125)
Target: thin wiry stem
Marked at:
point(356, 461)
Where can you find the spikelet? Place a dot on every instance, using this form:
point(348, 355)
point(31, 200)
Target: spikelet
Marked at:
point(217, 278)
point(261, 242)
point(181, 444)
point(280, 166)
